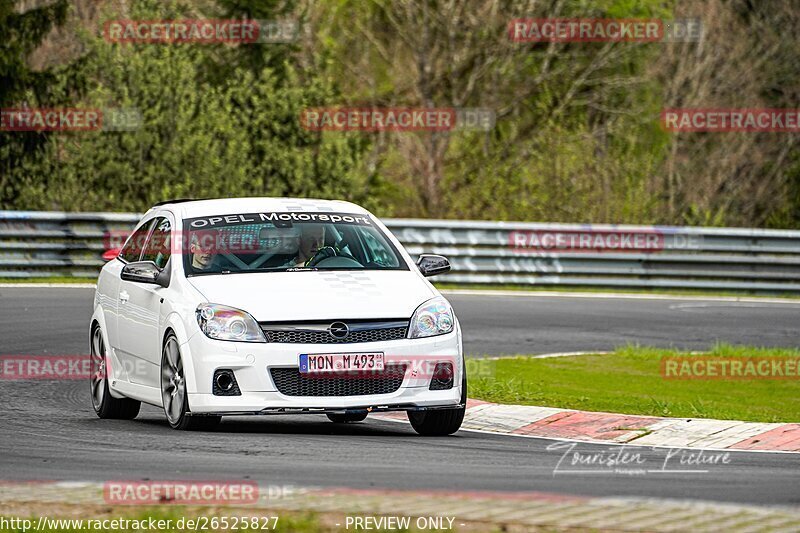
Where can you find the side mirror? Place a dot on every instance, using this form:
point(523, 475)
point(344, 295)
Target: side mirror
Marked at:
point(431, 265)
point(145, 272)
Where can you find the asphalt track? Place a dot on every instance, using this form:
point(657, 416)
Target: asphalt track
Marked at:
point(49, 432)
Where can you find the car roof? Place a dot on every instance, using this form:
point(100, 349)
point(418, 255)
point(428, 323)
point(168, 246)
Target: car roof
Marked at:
point(224, 206)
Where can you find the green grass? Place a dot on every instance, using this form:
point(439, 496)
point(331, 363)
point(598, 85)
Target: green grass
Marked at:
point(629, 381)
point(50, 279)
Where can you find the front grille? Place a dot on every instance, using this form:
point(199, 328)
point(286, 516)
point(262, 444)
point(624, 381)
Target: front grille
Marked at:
point(318, 333)
point(291, 382)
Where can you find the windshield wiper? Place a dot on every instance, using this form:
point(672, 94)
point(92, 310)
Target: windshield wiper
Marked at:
point(300, 269)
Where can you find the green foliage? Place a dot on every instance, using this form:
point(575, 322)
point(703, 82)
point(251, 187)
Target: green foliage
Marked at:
point(241, 137)
point(20, 34)
point(577, 138)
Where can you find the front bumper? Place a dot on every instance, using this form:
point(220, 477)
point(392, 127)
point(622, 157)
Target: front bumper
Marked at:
point(251, 363)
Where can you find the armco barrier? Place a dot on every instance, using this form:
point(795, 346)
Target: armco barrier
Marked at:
point(44, 244)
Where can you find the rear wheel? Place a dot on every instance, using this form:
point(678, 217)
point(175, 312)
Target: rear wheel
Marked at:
point(341, 418)
point(173, 391)
point(440, 422)
point(105, 405)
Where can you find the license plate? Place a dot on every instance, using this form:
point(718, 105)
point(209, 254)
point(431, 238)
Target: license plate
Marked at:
point(321, 363)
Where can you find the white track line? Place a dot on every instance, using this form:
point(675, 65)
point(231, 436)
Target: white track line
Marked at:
point(529, 294)
point(618, 295)
point(540, 356)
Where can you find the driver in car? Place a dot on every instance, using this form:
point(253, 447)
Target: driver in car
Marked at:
point(202, 254)
point(311, 239)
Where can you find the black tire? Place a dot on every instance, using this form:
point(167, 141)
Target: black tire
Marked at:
point(105, 405)
point(198, 423)
point(174, 398)
point(440, 422)
point(342, 418)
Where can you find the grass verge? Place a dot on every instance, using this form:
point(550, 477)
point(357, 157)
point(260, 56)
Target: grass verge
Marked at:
point(51, 279)
point(630, 381)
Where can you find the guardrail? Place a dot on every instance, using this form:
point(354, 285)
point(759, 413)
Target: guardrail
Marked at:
point(46, 244)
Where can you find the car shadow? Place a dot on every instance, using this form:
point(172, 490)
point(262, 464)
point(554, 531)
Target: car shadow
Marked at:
point(295, 425)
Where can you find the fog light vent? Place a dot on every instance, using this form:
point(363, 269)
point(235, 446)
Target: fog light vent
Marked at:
point(224, 383)
point(442, 377)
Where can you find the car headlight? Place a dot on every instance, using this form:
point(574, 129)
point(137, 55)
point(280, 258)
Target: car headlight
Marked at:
point(434, 317)
point(224, 323)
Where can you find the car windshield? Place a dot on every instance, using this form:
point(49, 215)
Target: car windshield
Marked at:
point(281, 242)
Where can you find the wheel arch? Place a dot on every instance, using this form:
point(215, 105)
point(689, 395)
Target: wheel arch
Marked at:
point(98, 321)
point(167, 331)
point(175, 324)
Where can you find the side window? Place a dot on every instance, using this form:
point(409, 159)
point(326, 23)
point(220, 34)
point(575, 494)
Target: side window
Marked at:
point(158, 247)
point(133, 248)
point(377, 250)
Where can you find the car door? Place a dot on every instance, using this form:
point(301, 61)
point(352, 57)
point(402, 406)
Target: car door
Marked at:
point(130, 253)
point(139, 311)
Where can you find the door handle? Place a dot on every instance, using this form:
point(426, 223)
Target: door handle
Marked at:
point(124, 297)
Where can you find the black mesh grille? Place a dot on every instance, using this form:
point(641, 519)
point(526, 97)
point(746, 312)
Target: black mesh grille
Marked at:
point(442, 378)
point(233, 391)
point(356, 334)
point(291, 382)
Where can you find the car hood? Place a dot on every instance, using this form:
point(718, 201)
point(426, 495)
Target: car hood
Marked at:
point(318, 295)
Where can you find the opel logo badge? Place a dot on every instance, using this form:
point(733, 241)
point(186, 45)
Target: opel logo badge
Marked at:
point(338, 330)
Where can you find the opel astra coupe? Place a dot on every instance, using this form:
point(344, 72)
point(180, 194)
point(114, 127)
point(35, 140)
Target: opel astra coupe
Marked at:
point(271, 305)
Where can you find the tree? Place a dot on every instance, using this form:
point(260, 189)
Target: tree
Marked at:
point(732, 178)
point(200, 135)
point(458, 54)
point(22, 28)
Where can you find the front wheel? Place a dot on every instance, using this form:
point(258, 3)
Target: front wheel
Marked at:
point(173, 391)
point(105, 405)
point(440, 422)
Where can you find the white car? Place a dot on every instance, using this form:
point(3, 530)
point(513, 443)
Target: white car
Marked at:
point(273, 305)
